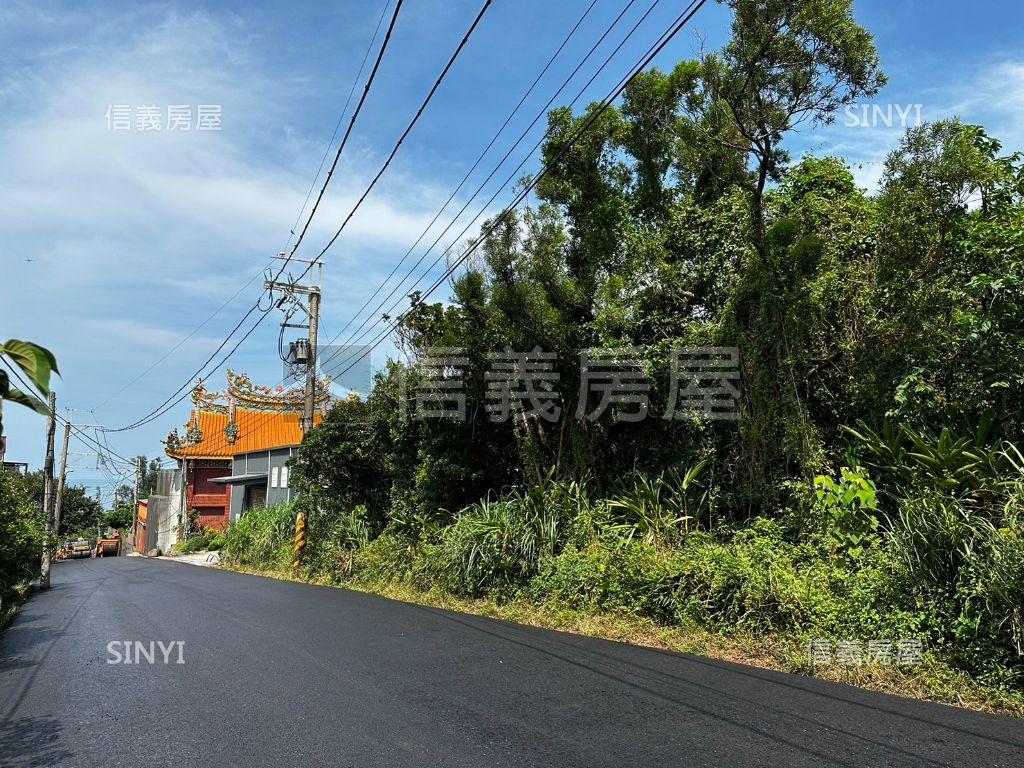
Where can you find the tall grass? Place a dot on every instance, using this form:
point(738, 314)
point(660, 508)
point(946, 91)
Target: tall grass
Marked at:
point(261, 538)
point(662, 509)
point(498, 544)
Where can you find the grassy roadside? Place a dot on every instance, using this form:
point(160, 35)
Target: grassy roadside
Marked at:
point(11, 604)
point(932, 681)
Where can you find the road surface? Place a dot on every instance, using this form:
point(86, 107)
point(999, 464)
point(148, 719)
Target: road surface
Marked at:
point(274, 673)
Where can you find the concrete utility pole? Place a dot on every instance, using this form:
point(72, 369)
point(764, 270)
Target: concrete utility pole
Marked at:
point(291, 293)
point(59, 501)
point(135, 498)
point(51, 428)
point(309, 402)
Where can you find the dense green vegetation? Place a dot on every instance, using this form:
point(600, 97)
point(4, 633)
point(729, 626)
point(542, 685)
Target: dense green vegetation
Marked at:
point(22, 529)
point(871, 488)
point(81, 513)
point(21, 536)
point(21, 522)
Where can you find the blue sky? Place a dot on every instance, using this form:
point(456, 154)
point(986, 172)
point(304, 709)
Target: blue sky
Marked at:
point(135, 237)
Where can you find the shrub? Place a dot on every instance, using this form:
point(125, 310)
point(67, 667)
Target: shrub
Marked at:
point(752, 580)
point(198, 541)
point(334, 536)
point(621, 575)
point(755, 581)
point(969, 465)
point(262, 538)
point(21, 534)
point(664, 508)
point(933, 539)
point(498, 545)
point(846, 507)
point(993, 633)
point(386, 558)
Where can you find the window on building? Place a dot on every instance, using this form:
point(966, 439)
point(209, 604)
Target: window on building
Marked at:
point(284, 477)
point(273, 477)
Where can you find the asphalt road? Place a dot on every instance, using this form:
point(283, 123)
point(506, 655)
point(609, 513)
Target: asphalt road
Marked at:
point(283, 674)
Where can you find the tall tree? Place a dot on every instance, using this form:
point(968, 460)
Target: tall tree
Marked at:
point(787, 62)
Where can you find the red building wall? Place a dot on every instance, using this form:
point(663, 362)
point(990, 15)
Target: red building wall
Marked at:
point(211, 500)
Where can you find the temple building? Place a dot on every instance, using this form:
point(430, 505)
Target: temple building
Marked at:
point(236, 444)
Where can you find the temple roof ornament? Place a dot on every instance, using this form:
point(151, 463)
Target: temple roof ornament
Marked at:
point(253, 397)
point(249, 417)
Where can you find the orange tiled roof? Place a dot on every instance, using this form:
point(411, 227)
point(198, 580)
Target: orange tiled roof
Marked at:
point(257, 431)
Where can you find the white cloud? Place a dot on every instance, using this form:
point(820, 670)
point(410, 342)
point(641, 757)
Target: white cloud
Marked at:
point(137, 237)
point(992, 96)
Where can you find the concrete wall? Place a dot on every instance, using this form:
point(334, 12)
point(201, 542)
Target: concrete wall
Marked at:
point(169, 518)
point(164, 514)
point(279, 489)
point(279, 486)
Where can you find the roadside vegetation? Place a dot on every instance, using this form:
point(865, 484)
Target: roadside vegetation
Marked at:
point(22, 532)
point(872, 488)
point(21, 540)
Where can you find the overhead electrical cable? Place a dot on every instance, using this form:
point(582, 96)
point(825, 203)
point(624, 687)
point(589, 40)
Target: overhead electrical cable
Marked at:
point(180, 394)
point(161, 409)
point(677, 26)
point(674, 28)
point(76, 431)
point(351, 125)
point(479, 159)
point(337, 126)
point(356, 336)
point(408, 129)
point(476, 164)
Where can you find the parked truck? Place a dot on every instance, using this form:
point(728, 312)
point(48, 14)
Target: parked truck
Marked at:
point(108, 545)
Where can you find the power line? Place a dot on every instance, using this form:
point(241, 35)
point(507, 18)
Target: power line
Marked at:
point(494, 139)
point(408, 129)
point(356, 334)
point(76, 431)
point(666, 37)
point(677, 25)
point(177, 346)
point(351, 125)
point(519, 198)
point(160, 409)
point(166, 404)
point(476, 164)
point(183, 391)
point(511, 177)
point(337, 126)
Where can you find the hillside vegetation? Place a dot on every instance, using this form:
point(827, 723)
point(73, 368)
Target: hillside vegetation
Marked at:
point(871, 488)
